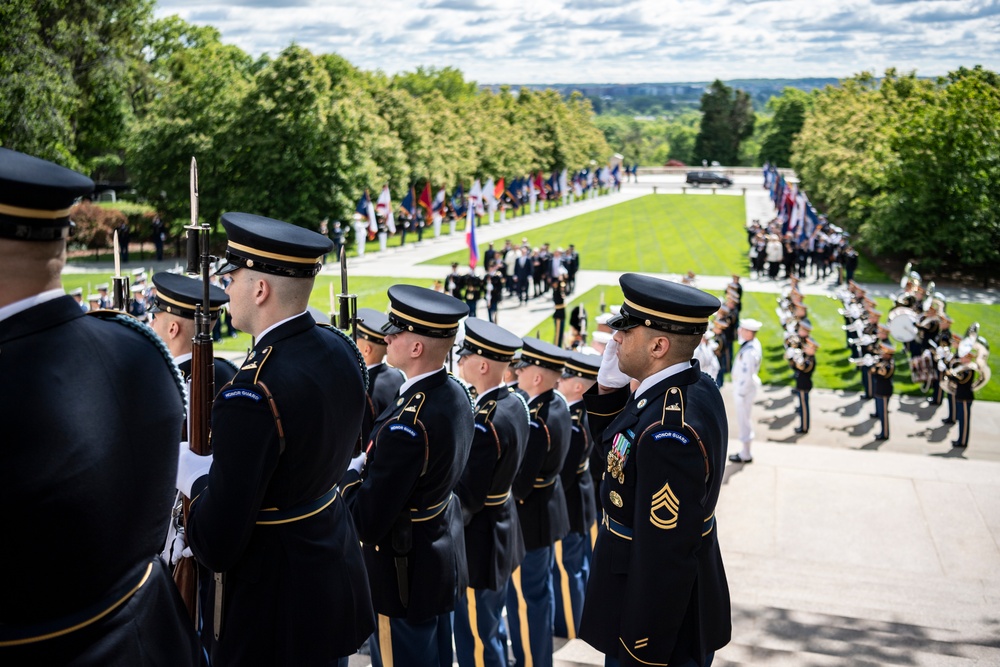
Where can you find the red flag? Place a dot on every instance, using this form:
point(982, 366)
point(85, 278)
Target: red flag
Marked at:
point(498, 190)
point(425, 198)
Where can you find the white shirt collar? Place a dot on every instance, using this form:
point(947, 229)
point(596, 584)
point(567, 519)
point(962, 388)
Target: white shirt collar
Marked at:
point(182, 358)
point(659, 376)
point(12, 309)
point(499, 386)
point(275, 326)
point(415, 379)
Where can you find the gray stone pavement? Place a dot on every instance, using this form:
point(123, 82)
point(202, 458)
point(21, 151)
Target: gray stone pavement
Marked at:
point(840, 550)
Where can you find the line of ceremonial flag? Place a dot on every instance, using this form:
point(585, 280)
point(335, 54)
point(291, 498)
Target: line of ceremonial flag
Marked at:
point(482, 198)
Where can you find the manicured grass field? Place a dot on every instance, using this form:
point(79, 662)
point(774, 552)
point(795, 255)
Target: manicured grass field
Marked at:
point(659, 234)
point(833, 369)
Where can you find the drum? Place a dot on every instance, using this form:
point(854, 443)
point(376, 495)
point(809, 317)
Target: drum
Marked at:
point(923, 370)
point(902, 324)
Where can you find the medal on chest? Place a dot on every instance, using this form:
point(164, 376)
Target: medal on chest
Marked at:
point(621, 446)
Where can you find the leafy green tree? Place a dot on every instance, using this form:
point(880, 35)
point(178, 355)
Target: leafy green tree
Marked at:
point(789, 114)
point(446, 80)
point(727, 119)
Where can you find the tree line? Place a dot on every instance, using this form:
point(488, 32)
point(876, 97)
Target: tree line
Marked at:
point(105, 88)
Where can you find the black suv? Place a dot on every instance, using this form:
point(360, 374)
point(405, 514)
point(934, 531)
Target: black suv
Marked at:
point(708, 177)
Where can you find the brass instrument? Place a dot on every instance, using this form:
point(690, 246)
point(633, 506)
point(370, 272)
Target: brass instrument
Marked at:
point(867, 360)
point(974, 344)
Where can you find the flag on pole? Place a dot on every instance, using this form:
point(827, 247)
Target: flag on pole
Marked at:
point(470, 237)
point(489, 197)
point(366, 210)
point(407, 204)
point(425, 199)
point(499, 189)
point(476, 197)
point(439, 200)
point(458, 200)
point(384, 208)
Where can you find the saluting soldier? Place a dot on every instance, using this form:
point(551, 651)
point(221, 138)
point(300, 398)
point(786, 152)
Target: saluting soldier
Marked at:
point(384, 381)
point(658, 593)
point(493, 542)
point(804, 366)
point(573, 552)
point(541, 503)
point(265, 513)
point(89, 494)
point(881, 379)
point(400, 494)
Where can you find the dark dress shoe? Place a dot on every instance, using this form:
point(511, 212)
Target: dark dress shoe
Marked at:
point(736, 458)
point(948, 421)
point(881, 437)
point(957, 445)
point(799, 430)
point(873, 415)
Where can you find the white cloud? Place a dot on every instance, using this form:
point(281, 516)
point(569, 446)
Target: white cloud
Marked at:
point(618, 41)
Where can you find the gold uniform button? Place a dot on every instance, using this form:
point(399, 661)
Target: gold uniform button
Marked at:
point(616, 500)
point(376, 547)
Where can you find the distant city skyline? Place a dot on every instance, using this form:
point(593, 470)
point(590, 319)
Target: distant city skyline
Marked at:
point(618, 41)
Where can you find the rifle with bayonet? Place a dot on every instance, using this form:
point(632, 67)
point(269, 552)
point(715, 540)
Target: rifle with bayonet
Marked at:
point(202, 385)
point(348, 303)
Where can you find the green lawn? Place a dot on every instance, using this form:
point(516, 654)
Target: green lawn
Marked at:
point(371, 294)
point(833, 368)
point(659, 234)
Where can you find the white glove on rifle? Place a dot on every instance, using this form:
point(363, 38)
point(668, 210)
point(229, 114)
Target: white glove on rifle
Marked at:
point(190, 467)
point(358, 462)
point(610, 375)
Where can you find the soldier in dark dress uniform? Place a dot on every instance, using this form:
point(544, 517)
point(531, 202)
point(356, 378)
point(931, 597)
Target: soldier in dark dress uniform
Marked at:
point(573, 552)
point(400, 493)
point(541, 503)
point(473, 288)
point(881, 381)
point(963, 372)
point(657, 593)
point(265, 514)
point(384, 381)
point(453, 282)
point(88, 491)
point(804, 366)
point(493, 542)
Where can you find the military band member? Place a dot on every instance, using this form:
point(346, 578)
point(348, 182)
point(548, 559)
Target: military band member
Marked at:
point(804, 364)
point(541, 503)
point(746, 365)
point(963, 371)
point(90, 492)
point(657, 593)
point(384, 381)
point(881, 374)
point(493, 542)
point(265, 512)
point(942, 349)
point(400, 494)
point(573, 553)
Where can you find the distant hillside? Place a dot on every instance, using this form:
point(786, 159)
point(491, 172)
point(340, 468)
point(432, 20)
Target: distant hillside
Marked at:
point(656, 97)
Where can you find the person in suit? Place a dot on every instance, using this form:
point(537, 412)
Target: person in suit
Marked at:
point(881, 377)
point(400, 490)
point(541, 503)
point(522, 274)
point(90, 490)
point(384, 381)
point(746, 365)
point(657, 593)
point(266, 514)
point(573, 552)
point(493, 542)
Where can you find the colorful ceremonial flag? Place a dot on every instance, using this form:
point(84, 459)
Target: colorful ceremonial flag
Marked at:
point(384, 208)
point(470, 238)
point(407, 204)
point(499, 189)
point(425, 199)
point(458, 201)
point(366, 209)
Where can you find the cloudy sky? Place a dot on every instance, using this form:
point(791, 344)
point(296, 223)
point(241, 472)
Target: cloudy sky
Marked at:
point(618, 41)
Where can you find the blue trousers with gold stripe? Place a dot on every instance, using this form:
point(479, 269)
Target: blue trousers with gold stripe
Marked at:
point(963, 412)
point(569, 580)
point(480, 640)
point(401, 643)
point(882, 414)
point(531, 608)
point(803, 409)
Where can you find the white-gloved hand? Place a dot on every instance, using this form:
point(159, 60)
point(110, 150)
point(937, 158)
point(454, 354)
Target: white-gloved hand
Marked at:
point(177, 548)
point(190, 467)
point(358, 462)
point(610, 375)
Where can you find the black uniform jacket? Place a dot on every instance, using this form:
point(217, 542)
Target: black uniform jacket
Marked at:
point(410, 525)
point(882, 373)
point(578, 485)
point(383, 383)
point(541, 502)
point(493, 543)
point(225, 371)
point(804, 373)
point(87, 483)
point(657, 593)
point(964, 375)
point(282, 435)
